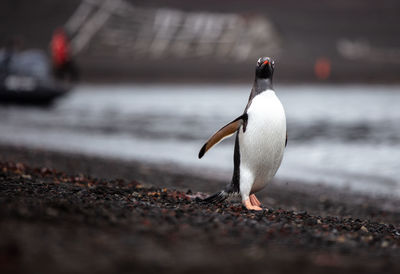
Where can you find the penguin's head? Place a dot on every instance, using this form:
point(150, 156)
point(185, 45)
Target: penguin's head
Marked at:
point(265, 68)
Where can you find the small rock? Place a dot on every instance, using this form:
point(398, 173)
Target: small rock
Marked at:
point(367, 239)
point(363, 228)
point(341, 239)
point(385, 244)
point(52, 212)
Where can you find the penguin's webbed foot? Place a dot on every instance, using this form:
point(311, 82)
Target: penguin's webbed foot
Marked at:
point(254, 201)
point(247, 203)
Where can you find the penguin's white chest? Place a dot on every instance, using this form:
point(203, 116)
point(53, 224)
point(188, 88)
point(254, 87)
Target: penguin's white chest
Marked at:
point(263, 143)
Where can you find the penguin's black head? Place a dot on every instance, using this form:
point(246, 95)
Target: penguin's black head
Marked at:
point(265, 67)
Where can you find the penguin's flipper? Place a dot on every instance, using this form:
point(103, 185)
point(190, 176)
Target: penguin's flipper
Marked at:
point(224, 132)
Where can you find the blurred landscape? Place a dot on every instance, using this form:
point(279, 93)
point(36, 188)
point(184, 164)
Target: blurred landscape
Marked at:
point(98, 156)
point(147, 62)
point(217, 40)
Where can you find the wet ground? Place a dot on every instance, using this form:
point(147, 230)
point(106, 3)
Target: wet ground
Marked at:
point(343, 136)
point(57, 222)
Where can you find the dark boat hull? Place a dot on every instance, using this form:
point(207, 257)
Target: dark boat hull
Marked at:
point(39, 96)
point(25, 78)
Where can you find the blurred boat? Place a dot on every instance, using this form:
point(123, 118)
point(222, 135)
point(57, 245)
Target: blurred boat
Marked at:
point(25, 78)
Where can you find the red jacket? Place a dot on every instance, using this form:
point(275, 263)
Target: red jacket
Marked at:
point(59, 49)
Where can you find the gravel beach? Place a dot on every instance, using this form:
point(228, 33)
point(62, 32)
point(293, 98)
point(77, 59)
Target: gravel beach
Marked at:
point(80, 218)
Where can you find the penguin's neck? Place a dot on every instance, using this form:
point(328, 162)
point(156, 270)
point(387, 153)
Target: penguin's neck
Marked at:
point(262, 84)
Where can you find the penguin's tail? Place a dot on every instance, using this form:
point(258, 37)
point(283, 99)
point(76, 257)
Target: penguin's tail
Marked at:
point(216, 198)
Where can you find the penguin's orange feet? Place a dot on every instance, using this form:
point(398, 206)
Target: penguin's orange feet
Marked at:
point(249, 206)
point(254, 201)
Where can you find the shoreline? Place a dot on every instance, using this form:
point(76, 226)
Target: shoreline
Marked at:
point(295, 195)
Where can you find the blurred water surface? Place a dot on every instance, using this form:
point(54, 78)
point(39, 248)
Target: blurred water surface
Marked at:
point(345, 136)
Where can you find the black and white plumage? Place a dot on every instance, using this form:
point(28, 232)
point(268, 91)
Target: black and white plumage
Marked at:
point(260, 139)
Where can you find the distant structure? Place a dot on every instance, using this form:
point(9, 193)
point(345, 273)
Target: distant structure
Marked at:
point(116, 27)
point(362, 50)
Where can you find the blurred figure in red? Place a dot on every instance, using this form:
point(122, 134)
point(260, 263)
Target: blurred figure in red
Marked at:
point(63, 65)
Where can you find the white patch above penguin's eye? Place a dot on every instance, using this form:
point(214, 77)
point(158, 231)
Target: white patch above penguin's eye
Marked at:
point(259, 62)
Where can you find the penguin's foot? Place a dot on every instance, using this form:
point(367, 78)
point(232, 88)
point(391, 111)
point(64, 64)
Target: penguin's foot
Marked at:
point(254, 201)
point(249, 206)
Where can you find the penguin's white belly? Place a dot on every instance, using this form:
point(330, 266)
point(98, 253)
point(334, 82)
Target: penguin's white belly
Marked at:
point(263, 143)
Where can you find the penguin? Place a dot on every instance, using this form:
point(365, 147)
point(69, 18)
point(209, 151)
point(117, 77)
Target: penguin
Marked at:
point(261, 138)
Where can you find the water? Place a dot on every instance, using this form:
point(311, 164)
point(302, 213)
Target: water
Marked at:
point(344, 136)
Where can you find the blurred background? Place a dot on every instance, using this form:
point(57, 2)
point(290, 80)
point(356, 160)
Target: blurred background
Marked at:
point(152, 80)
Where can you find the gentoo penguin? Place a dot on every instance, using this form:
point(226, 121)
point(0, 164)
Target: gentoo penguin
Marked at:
point(261, 139)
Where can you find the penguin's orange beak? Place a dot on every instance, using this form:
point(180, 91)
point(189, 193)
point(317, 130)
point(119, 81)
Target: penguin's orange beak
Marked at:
point(266, 62)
